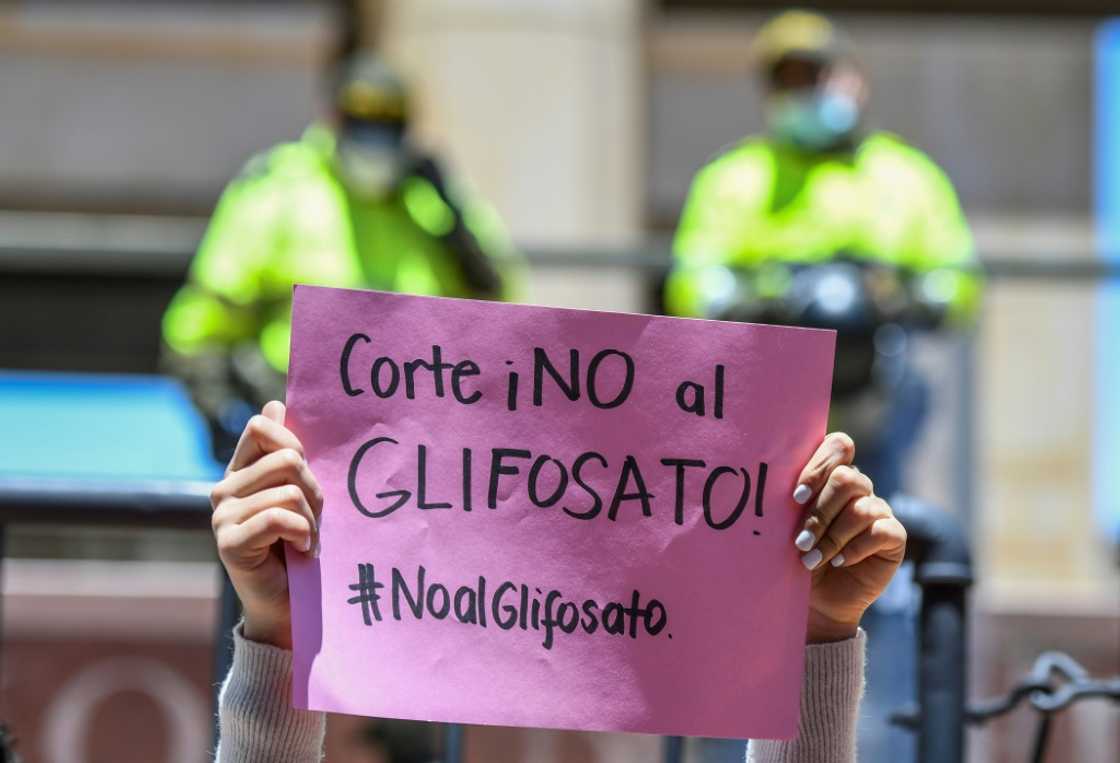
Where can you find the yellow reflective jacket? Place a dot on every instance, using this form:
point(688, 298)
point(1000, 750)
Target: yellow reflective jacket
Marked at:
point(765, 201)
point(288, 219)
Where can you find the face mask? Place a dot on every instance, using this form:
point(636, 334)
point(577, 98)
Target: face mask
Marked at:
point(816, 119)
point(369, 171)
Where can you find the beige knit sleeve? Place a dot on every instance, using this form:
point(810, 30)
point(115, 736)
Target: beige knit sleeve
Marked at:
point(257, 723)
point(829, 708)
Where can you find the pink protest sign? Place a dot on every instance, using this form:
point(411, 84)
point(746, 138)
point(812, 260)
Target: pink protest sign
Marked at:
point(552, 518)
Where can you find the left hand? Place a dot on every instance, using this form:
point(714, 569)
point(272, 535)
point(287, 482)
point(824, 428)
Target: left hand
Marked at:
point(850, 540)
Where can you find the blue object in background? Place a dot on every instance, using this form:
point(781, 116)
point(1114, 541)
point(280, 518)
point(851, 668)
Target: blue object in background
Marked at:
point(1106, 440)
point(84, 426)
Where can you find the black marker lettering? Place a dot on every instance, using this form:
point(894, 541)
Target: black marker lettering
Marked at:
point(534, 476)
point(709, 486)
point(627, 382)
point(630, 471)
point(577, 476)
point(497, 468)
point(541, 364)
point(375, 377)
point(344, 363)
point(422, 482)
point(681, 464)
point(464, 368)
point(352, 482)
point(400, 586)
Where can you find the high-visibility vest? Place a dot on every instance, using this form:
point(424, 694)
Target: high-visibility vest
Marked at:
point(763, 201)
point(289, 219)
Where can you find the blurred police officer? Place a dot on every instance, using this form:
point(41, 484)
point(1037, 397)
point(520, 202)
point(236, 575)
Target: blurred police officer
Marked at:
point(817, 190)
point(818, 184)
point(819, 187)
point(351, 204)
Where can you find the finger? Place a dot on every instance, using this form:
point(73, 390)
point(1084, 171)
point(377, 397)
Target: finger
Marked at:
point(860, 513)
point(885, 538)
point(290, 498)
point(281, 467)
point(843, 485)
point(274, 410)
point(259, 532)
point(837, 449)
point(263, 434)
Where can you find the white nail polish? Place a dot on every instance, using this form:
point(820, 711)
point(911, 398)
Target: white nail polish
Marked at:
point(804, 540)
point(802, 494)
point(812, 559)
point(837, 561)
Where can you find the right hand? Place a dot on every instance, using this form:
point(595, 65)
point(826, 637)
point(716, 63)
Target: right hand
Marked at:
point(268, 495)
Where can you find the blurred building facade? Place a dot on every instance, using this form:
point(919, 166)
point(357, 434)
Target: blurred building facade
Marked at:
point(583, 123)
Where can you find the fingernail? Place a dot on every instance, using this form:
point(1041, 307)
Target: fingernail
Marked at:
point(812, 559)
point(837, 561)
point(317, 549)
point(804, 540)
point(306, 545)
point(802, 493)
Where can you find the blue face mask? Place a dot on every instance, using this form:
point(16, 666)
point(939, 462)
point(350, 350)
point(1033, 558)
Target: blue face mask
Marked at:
point(370, 159)
point(815, 119)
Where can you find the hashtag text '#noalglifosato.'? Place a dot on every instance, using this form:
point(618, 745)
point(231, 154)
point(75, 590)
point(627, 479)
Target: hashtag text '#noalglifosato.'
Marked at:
point(507, 605)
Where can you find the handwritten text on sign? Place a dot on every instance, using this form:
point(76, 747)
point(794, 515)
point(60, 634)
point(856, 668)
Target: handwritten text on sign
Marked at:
point(553, 518)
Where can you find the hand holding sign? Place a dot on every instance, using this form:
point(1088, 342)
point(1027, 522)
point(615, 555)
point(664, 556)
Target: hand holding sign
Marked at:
point(268, 495)
point(850, 529)
point(660, 601)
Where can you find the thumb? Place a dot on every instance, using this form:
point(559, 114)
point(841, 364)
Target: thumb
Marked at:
point(274, 410)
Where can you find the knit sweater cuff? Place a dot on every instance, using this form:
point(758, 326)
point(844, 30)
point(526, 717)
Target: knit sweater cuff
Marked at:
point(830, 700)
point(257, 721)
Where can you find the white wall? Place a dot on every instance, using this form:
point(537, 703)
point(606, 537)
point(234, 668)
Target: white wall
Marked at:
point(152, 106)
point(539, 104)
